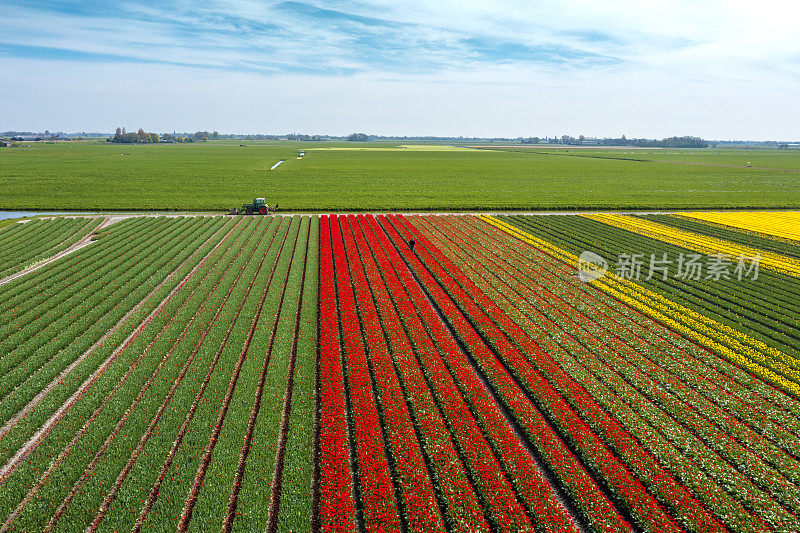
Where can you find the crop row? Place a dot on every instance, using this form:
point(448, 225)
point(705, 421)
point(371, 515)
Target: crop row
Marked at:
point(758, 314)
point(697, 328)
point(435, 414)
point(695, 439)
point(30, 287)
point(463, 398)
point(166, 475)
point(688, 222)
point(73, 354)
point(635, 479)
point(24, 244)
point(781, 224)
point(92, 418)
point(699, 243)
point(78, 321)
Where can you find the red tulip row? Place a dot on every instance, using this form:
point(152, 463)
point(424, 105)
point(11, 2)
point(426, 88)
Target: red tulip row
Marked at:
point(501, 465)
point(653, 393)
point(729, 450)
point(589, 499)
point(756, 404)
point(336, 505)
point(374, 479)
point(693, 463)
point(462, 508)
point(410, 470)
point(624, 484)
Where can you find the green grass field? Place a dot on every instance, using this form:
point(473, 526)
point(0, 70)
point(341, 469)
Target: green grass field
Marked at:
point(217, 176)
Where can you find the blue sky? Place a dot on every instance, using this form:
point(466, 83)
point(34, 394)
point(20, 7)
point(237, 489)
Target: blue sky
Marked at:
point(720, 69)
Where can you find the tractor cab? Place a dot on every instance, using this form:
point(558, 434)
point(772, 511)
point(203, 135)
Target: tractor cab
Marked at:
point(259, 206)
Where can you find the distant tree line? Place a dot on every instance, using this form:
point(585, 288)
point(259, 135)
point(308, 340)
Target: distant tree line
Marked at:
point(669, 142)
point(140, 137)
point(301, 137)
point(143, 137)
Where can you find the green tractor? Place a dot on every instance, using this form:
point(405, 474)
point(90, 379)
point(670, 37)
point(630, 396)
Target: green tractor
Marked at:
point(259, 207)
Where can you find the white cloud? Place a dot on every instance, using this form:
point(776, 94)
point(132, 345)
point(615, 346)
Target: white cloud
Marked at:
point(719, 68)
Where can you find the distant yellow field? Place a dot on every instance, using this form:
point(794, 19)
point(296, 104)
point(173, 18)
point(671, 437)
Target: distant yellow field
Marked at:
point(409, 147)
point(784, 224)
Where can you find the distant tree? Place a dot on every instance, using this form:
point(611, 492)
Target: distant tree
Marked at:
point(358, 137)
point(141, 136)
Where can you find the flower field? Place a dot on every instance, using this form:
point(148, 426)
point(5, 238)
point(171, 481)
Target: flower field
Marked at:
point(25, 244)
point(402, 373)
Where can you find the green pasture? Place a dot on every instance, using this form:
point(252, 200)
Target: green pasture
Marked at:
point(385, 176)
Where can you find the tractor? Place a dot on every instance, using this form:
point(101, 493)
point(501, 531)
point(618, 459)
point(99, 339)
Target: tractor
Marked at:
point(259, 206)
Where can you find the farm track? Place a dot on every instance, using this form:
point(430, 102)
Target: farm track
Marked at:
point(82, 431)
point(54, 273)
point(107, 502)
point(74, 318)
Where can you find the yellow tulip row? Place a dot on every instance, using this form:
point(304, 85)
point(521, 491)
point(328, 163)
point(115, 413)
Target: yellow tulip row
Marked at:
point(735, 346)
point(785, 224)
point(699, 243)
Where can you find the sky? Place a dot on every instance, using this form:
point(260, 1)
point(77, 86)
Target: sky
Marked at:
point(712, 68)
